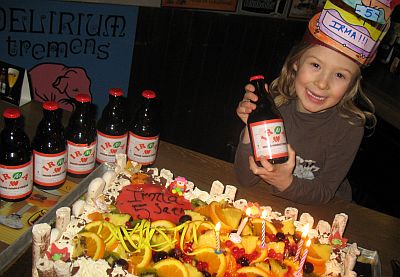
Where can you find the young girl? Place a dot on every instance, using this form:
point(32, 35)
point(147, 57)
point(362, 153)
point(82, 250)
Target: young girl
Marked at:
point(316, 94)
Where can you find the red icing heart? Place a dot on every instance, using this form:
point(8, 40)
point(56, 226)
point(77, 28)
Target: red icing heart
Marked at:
point(152, 202)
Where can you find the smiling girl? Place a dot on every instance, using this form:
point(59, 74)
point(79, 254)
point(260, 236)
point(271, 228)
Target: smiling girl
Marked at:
point(318, 94)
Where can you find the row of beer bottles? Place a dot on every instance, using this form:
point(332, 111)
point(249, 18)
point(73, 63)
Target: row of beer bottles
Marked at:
point(55, 151)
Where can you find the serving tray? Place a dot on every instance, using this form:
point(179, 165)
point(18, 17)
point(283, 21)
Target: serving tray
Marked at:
point(11, 254)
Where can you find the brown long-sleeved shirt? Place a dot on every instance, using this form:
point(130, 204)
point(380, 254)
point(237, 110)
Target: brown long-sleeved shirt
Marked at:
point(325, 146)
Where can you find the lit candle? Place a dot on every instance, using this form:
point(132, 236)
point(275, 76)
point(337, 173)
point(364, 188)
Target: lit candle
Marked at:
point(263, 217)
point(217, 239)
point(299, 272)
point(300, 244)
point(244, 222)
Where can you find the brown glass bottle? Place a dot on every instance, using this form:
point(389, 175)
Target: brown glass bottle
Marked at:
point(16, 170)
point(50, 149)
point(81, 138)
point(265, 125)
point(112, 128)
point(144, 132)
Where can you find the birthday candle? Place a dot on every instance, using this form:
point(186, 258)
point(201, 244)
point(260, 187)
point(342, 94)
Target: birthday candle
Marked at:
point(300, 244)
point(217, 238)
point(263, 216)
point(299, 272)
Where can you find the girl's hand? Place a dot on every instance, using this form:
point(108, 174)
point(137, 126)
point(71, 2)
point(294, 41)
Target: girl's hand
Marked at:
point(277, 175)
point(245, 107)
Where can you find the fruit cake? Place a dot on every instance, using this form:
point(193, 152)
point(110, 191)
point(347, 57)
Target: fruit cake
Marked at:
point(134, 222)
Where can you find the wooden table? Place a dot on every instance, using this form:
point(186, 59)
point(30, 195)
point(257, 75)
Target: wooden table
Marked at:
point(370, 229)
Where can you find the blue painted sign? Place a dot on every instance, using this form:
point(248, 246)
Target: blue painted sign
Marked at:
point(69, 47)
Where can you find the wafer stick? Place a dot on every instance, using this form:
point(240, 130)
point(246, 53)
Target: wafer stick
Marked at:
point(120, 159)
point(40, 243)
point(63, 217)
point(217, 188)
point(230, 192)
point(291, 212)
point(61, 269)
point(339, 223)
point(45, 268)
point(95, 188)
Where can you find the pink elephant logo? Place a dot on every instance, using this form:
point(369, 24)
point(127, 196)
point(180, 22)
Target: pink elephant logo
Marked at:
point(57, 82)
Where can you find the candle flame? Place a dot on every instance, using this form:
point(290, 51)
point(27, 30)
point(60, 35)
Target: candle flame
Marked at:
point(248, 211)
point(218, 226)
point(305, 230)
point(308, 243)
point(264, 214)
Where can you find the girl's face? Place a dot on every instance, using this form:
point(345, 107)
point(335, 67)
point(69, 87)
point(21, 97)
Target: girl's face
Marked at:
point(323, 76)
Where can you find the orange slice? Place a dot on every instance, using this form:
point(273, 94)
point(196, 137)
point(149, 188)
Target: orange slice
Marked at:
point(94, 246)
point(230, 263)
point(95, 216)
point(171, 267)
point(252, 271)
point(257, 227)
point(139, 259)
point(217, 215)
point(203, 210)
point(318, 255)
point(216, 262)
point(263, 253)
point(103, 229)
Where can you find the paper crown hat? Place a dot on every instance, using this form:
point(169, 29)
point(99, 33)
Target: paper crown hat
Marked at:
point(353, 27)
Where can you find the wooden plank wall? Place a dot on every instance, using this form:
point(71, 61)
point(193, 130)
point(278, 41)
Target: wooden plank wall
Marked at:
point(198, 62)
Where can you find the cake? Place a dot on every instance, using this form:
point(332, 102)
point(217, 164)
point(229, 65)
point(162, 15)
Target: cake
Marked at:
point(134, 222)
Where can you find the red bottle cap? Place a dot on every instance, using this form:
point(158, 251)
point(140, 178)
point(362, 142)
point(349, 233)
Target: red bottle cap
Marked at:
point(50, 105)
point(149, 94)
point(116, 92)
point(83, 98)
point(256, 77)
point(11, 113)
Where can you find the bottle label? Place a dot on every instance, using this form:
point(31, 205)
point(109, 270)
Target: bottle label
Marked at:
point(269, 139)
point(16, 181)
point(50, 169)
point(142, 150)
point(81, 157)
point(108, 146)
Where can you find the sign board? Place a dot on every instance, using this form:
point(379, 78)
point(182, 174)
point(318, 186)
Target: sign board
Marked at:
point(69, 47)
point(217, 5)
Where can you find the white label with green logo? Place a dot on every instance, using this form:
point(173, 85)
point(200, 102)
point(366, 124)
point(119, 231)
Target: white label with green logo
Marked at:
point(50, 169)
point(16, 181)
point(142, 150)
point(81, 157)
point(108, 146)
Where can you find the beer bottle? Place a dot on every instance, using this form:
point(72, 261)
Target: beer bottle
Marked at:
point(49, 149)
point(81, 138)
point(16, 171)
point(144, 132)
point(265, 125)
point(112, 128)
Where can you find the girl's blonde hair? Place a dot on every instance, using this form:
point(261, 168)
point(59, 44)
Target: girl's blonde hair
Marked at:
point(284, 90)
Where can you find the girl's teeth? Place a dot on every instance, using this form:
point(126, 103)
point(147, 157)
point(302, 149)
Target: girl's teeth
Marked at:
point(314, 96)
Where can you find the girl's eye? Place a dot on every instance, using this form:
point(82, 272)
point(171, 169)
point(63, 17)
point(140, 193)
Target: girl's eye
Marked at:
point(315, 65)
point(340, 75)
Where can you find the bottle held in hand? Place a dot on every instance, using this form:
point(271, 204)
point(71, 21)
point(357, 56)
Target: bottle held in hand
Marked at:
point(144, 132)
point(16, 170)
point(266, 128)
point(50, 149)
point(81, 138)
point(112, 128)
